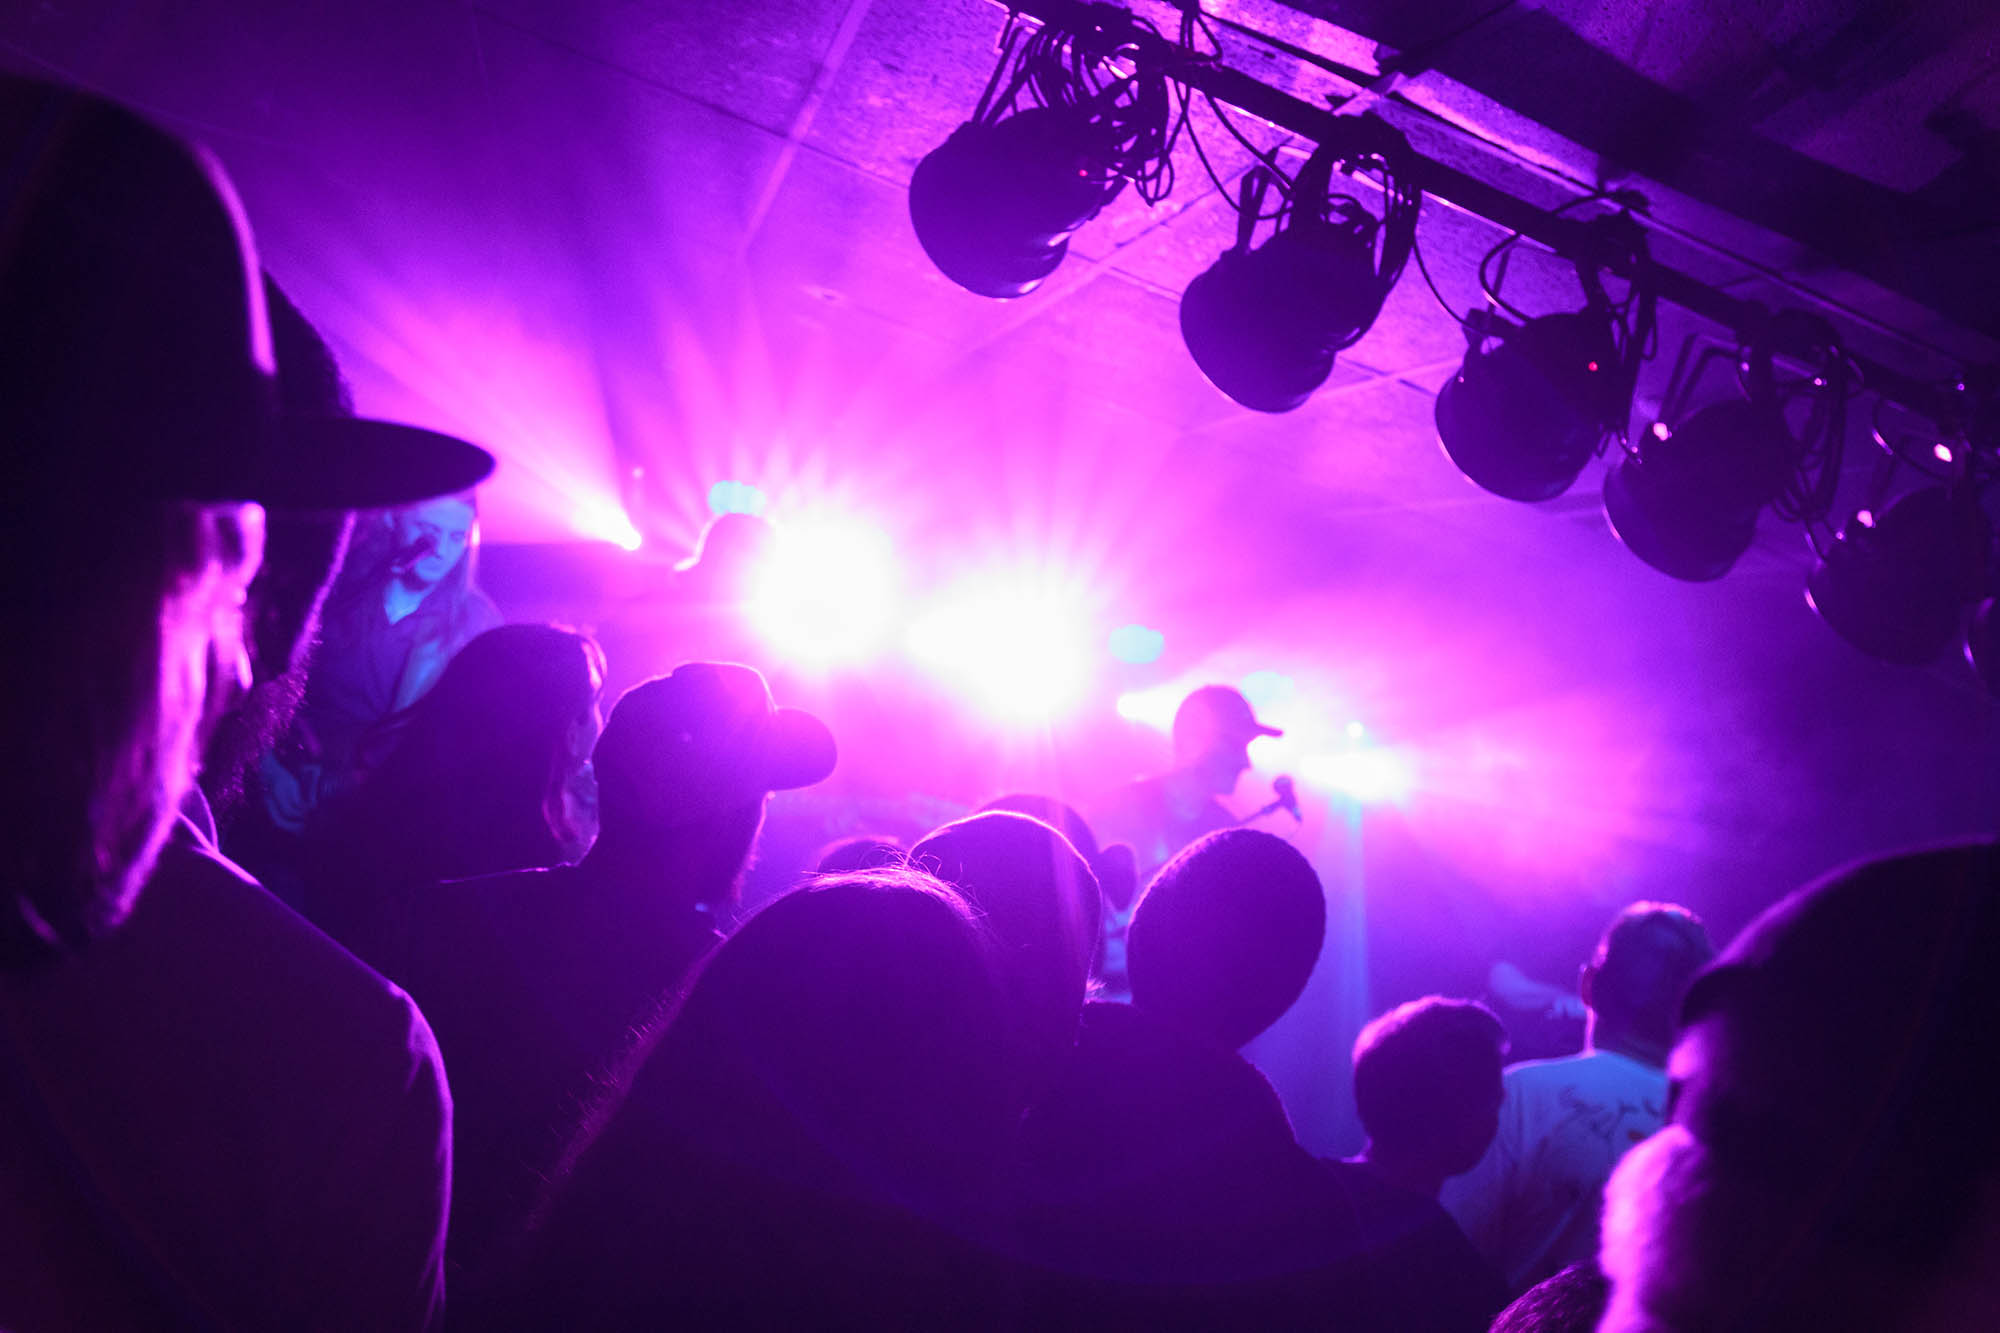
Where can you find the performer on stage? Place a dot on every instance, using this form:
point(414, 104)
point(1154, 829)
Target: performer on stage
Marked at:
point(1158, 816)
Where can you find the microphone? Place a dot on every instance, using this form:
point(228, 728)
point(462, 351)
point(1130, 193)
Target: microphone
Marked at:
point(1287, 800)
point(1287, 793)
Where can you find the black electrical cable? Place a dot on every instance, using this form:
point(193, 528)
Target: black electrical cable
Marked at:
point(1417, 253)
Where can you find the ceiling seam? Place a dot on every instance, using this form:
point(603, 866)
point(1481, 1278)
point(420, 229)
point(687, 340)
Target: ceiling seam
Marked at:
point(822, 84)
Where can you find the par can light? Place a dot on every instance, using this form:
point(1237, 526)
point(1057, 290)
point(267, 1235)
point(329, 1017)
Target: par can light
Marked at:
point(1527, 410)
point(1686, 502)
point(1264, 322)
point(1897, 588)
point(994, 205)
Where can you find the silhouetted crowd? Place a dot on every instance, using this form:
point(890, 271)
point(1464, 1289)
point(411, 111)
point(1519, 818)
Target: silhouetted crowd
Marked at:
point(487, 1021)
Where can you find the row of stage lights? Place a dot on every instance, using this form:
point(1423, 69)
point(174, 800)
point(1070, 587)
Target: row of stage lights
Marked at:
point(1069, 119)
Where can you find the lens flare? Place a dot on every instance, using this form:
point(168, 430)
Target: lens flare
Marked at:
point(1370, 776)
point(1020, 650)
point(606, 521)
point(829, 592)
point(1151, 708)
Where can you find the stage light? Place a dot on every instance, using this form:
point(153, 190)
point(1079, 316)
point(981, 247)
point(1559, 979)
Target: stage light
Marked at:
point(1019, 650)
point(735, 497)
point(826, 593)
point(1370, 776)
point(1687, 504)
point(1686, 499)
point(1897, 589)
point(1264, 322)
point(1534, 402)
point(1153, 708)
point(994, 206)
point(607, 521)
point(1136, 645)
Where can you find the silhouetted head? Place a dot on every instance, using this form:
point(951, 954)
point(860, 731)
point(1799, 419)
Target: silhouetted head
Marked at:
point(686, 762)
point(1571, 1301)
point(849, 1037)
point(860, 853)
point(1061, 816)
point(730, 551)
point(1427, 1083)
point(1833, 1156)
point(480, 779)
point(1041, 901)
point(1641, 969)
point(1117, 873)
point(1213, 728)
point(1226, 936)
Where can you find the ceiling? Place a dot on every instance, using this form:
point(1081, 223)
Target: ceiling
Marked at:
point(638, 246)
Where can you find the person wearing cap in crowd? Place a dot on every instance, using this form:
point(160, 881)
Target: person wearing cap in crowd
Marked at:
point(210, 1115)
point(1531, 1204)
point(1833, 1157)
point(535, 981)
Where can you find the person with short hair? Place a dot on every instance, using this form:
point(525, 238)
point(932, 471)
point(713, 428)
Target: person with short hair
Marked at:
point(1427, 1086)
point(1531, 1205)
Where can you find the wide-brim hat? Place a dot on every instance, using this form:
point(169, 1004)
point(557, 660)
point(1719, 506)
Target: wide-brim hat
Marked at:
point(138, 353)
point(707, 737)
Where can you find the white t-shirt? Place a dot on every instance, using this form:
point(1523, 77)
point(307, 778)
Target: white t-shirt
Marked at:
point(1531, 1205)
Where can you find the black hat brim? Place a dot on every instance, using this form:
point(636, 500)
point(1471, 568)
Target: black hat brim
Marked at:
point(333, 463)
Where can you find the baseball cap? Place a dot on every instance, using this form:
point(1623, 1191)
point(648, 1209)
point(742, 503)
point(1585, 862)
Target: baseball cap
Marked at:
point(705, 737)
point(1216, 713)
point(139, 358)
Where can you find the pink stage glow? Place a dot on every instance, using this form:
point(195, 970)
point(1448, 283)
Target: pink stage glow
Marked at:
point(1369, 775)
point(607, 521)
point(1020, 649)
point(830, 594)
